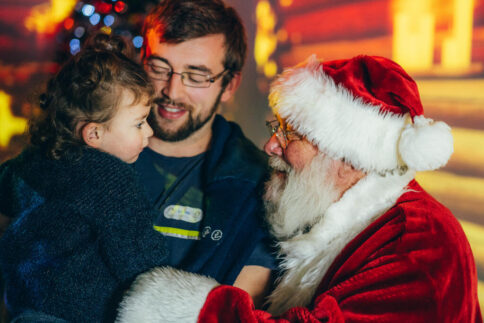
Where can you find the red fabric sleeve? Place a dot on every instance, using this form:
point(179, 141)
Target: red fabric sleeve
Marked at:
point(230, 304)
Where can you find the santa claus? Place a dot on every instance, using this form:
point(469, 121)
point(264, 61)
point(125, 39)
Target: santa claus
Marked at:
point(359, 239)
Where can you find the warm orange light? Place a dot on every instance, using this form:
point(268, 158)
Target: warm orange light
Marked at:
point(9, 124)
point(107, 30)
point(44, 18)
point(413, 34)
point(265, 39)
point(456, 49)
point(285, 3)
point(414, 38)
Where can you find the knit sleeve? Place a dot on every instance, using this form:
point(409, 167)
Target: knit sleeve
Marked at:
point(130, 245)
point(5, 190)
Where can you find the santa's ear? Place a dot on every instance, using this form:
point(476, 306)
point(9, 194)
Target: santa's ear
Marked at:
point(345, 169)
point(348, 175)
point(92, 134)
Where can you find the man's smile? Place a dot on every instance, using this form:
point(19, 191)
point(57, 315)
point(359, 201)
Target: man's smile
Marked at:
point(168, 111)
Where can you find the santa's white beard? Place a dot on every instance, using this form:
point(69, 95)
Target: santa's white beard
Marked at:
point(295, 200)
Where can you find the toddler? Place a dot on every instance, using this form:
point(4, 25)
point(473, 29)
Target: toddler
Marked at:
point(81, 226)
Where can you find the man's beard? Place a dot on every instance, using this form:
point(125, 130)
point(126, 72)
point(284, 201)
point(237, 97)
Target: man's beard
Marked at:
point(193, 123)
point(298, 200)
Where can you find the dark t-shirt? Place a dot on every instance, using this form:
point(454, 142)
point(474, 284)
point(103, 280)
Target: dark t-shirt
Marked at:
point(174, 185)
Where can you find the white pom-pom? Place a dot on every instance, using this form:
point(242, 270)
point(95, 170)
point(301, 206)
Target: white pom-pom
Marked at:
point(425, 144)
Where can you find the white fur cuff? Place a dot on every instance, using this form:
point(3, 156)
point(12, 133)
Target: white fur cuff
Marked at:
point(165, 294)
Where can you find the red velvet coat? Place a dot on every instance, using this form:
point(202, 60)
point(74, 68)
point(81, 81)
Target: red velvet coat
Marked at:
point(412, 264)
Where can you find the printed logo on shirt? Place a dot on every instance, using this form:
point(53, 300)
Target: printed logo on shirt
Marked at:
point(183, 213)
point(178, 233)
point(206, 231)
point(216, 235)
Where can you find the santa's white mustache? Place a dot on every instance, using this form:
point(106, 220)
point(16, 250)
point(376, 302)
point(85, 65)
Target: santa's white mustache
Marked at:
point(278, 164)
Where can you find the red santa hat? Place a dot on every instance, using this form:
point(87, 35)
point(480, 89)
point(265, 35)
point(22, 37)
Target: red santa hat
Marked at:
point(366, 110)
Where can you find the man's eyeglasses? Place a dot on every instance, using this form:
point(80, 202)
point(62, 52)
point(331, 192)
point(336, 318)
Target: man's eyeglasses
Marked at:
point(283, 135)
point(190, 79)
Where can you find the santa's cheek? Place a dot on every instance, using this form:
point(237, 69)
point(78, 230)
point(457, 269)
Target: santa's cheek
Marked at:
point(296, 159)
point(299, 153)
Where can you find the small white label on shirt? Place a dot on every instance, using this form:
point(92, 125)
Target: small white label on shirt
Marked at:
point(183, 213)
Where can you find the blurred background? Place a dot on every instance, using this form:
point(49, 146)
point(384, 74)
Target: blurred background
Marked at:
point(440, 43)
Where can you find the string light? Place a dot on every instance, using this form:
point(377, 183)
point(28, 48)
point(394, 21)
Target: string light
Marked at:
point(87, 10)
point(120, 7)
point(108, 20)
point(138, 41)
point(79, 31)
point(95, 19)
point(68, 23)
point(74, 46)
point(104, 7)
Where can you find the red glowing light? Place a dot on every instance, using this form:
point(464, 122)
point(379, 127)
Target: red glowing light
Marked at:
point(104, 7)
point(68, 23)
point(120, 6)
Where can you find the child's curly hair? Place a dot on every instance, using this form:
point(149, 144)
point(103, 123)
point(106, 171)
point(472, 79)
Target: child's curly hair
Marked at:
point(87, 89)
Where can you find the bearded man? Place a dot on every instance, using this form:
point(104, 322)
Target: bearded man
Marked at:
point(203, 176)
point(360, 240)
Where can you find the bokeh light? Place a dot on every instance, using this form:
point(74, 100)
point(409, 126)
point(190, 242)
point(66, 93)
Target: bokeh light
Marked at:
point(108, 20)
point(104, 7)
point(68, 23)
point(138, 41)
point(79, 31)
point(88, 10)
point(74, 46)
point(120, 7)
point(94, 19)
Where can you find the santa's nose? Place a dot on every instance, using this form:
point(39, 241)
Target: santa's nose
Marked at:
point(273, 146)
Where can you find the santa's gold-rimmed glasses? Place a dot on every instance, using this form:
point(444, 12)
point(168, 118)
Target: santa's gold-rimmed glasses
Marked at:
point(283, 135)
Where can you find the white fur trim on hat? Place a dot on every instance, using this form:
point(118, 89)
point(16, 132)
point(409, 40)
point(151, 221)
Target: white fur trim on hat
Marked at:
point(165, 294)
point(343, 126)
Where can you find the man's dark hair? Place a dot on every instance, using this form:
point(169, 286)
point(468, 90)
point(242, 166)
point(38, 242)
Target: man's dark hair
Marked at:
point(176, 21)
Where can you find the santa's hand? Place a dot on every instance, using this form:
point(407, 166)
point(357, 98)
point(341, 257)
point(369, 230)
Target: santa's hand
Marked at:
point(165, 294)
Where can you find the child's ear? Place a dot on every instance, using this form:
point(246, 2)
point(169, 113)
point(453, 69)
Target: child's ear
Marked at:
point(92, 134)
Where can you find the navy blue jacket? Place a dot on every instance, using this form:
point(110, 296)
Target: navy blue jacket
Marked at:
point(81, 232)
point(234, 173)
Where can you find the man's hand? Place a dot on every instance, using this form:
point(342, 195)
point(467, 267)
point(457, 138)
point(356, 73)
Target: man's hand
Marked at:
point(256, 281)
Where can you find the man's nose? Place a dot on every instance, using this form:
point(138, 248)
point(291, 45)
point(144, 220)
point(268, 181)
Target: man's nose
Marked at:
point(173, 88)
point(273, 146)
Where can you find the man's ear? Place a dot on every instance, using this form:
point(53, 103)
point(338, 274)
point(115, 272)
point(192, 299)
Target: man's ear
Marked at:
point(92, 134)
point(231, 87)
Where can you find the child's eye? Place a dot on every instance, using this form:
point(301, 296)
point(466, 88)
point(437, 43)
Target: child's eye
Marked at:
point(139, 125)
